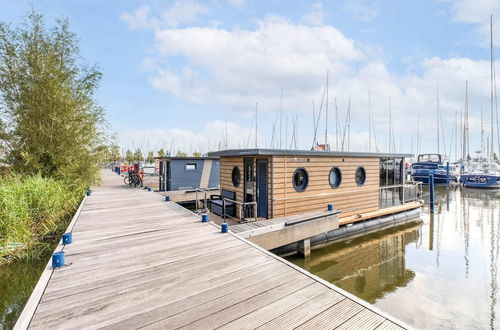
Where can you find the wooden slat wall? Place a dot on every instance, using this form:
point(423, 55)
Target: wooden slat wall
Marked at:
point(226, 167)
point(365, 199)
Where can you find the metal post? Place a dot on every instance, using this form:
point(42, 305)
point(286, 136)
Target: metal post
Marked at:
point(431, 192)
point(224, 209)
point(447, 174)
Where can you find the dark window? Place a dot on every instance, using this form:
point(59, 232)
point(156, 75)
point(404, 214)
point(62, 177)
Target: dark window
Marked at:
point(300, 179)
point(335, 177)
point(190, 166)
point(236, 176)
point(360, 176)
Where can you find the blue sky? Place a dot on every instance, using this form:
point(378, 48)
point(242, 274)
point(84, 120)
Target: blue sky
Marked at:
point(175, 71)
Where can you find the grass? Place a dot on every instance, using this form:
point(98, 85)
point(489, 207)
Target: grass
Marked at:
point(33, 213)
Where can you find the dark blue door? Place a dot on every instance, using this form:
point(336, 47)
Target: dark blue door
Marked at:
point(262, 188)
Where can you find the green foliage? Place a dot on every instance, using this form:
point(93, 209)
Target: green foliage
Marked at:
point(196, 154)
point(181, 154)
point(32, 212)
point(161, 153)
point(138, 157)
point(129, 156)
point(49, 121)
point(151, 157)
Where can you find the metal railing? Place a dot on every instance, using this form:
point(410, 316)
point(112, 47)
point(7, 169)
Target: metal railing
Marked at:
point(204, 207)
point(242, 210)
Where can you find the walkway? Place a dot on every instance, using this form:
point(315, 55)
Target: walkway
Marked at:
point(140, 262)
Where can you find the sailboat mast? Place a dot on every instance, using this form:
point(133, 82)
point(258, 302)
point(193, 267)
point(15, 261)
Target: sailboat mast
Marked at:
point(281, 119)
point(369, 123)
point(437, 116)
point(256, 106)
point(418, 131)
point(482, 132)
point(491, 75)
point(326, 114)
point(336, 126)
point(390, 126)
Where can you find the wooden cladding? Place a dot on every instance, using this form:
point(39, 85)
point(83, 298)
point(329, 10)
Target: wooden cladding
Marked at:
point(350, 198)
point(284, 200)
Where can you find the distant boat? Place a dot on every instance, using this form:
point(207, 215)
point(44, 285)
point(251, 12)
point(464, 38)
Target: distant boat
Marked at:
point(431, 163)
point(482, 173)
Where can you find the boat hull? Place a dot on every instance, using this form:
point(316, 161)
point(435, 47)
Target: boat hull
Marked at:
point(484, 181)
point(423, 176)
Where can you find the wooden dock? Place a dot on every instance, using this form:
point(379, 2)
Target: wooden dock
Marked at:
point(139, 262)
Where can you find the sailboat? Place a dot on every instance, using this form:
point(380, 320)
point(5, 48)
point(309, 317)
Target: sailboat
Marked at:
point(483, 172)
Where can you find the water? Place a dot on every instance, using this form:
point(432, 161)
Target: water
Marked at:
point(17, 280)
point(439, 273)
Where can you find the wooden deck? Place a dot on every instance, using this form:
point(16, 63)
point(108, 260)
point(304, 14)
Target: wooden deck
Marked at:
point(140, 262)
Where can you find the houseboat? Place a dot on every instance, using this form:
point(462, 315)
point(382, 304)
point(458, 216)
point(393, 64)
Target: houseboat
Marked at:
point(184, 179)
point(273, 184)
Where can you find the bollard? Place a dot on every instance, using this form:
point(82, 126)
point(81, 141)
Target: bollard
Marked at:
point(167, 198)
point(58, 259)
point(89, 192)
point(329, 207)
point(67, 238)
point(204, 218)
point(224, 227)
point(447, 174)
point(431, 192)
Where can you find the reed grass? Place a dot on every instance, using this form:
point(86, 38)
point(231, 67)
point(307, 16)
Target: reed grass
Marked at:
point(34, 211)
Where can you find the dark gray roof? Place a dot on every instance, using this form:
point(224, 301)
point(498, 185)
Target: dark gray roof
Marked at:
point(188, 158)
point(283, 152)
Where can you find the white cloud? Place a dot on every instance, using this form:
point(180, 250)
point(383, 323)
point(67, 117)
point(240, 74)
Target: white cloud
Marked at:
point(316, 16)
point(211, 138)
point(234, 68)
point(478, 12)
point(363, 10)
point(240, 67)
point(139, 19)
point(179, 13)
point(237, 3)
point(183, 11)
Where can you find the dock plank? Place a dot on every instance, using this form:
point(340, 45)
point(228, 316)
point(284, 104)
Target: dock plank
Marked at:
point(140, 262)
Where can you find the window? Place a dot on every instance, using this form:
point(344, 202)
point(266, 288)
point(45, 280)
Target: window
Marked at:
point(236, 176)
point(360, 176)
point(190, 166)
point(335, 177)
point(300, 179)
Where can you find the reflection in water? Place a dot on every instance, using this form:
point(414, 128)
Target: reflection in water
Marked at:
point(366, 268)
point(440, 273)
point(17, 280)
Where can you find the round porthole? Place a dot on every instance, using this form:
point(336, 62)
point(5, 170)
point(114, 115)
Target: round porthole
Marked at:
point(335, 177)
point(236, 176)
point(360, 176)
point(300, 179)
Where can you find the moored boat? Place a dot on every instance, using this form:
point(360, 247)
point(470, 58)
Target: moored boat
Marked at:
point(432, 163)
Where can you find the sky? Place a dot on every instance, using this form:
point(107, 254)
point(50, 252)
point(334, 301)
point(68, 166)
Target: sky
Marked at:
point(189, 75)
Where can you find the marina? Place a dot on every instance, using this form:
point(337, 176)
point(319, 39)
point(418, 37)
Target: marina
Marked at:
point(249, 165)
point(190, 275)
point(446, 265)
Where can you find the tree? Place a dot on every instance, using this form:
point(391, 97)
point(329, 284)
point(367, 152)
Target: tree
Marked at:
point(49, 121)
point(138, 157)
point(161, 153)
point(151, 157)
point(196, 154)
point(129, 156)
point(180, 154)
